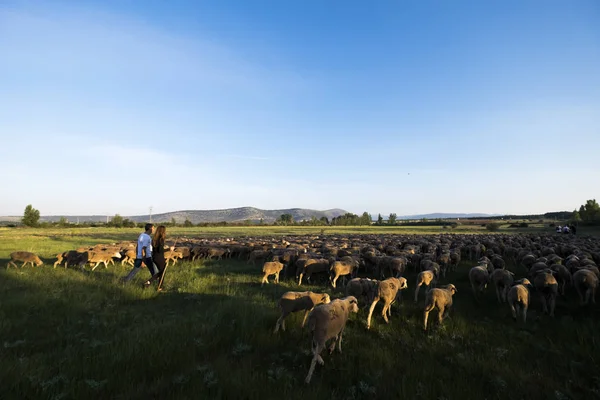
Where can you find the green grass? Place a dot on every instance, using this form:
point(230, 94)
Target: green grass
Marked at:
point(67, 335)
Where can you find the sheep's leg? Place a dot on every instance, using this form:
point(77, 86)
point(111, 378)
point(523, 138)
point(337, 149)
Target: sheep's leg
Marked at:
point(524, 311)
point(264, 279)
point(593, 295)
point(552, 302)
point(417, 291)
point(300, 279)
point(334, 280)
point(425, 317)
point(317, 348)
point(543, 300)
point(333, 343)
point(384, 313)
point(280, 322)
point(277, 277)
point(340, 341)
point(305, 316)
point(441, 310)
point(513, 310)
point(498, 294)
point(371, 312)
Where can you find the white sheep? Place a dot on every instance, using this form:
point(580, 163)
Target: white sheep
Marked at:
point(328, 321)
point(271, 268)
point(388, 290)
point(518, 298)
point(297, 301)
point(440, 298)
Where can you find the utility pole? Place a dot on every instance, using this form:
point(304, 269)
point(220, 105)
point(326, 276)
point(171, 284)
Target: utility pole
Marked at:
point(150, 214)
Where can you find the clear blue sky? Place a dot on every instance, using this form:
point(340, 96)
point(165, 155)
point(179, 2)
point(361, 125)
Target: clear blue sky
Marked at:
point(387, 106)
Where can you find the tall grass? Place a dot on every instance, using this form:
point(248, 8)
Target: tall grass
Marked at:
point(67, 334)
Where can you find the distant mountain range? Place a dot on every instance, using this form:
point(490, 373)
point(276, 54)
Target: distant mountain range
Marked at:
point(253, 214)
point(445, 216)
point(197, 216)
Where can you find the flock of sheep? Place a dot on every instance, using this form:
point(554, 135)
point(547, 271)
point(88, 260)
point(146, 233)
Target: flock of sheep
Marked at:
point(553, 263)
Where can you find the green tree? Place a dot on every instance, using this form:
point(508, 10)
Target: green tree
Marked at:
point(261, 222)
point(173, 222)
point(31, 216)
point(286, 219)
point(590, 211)
point(392, 219)
point(63, 221)
point(187, 223)
point(365, 219)
point(117, 221)
point(325, 220)
point(576, 217)
point(379, 220)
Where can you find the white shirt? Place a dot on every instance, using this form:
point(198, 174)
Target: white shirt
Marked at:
point(144, 240)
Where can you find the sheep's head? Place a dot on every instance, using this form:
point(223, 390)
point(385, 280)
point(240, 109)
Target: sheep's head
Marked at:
point(524, 282)
point(353, 303)
point(451, 288)
point(325, 299)
point(403, 283)
point(116, 254)
point(39, 262)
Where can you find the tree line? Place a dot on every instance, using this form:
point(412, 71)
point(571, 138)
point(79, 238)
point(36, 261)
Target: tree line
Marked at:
point(588, 213)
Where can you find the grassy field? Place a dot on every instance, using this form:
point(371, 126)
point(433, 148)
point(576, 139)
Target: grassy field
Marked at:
point(69, 335)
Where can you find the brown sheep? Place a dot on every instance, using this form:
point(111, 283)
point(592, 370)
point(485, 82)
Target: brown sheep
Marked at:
point(518, 298)
point(271, 268)
point(547, 288)
point(25, 257)
point(586, 283)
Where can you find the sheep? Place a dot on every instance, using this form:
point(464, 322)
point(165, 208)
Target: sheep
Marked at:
point(60, 258)
point(502, 280)
point(216, 252)
point(440, 298)
point(172, 255)
point(362, 287)
point(128, 257)
point(101, 257)
point(547, 287)
point(271, 268)
point(479, 278)
point(25, 257)
point(563, 277)
point(311, 266)
point(426, 278)
point(328, 321)
point(586, 283)
point(297, 301)
point(260, 255)
point(346, 266)
point(388, 290)
point(518, 298)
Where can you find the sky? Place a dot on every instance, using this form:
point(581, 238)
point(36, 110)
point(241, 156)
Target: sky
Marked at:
point(408, 107)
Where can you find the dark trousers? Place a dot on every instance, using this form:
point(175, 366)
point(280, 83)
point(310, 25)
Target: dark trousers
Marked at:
point(137, 265)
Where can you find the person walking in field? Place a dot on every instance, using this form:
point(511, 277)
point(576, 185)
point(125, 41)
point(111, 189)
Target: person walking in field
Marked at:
point(158, 252)
point(143, 254)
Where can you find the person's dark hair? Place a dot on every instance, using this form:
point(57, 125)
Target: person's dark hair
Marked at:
point(148, 226)
point(159, 236)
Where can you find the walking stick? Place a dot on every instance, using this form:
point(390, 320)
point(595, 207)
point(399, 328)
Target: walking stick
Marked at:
point(162, 276)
